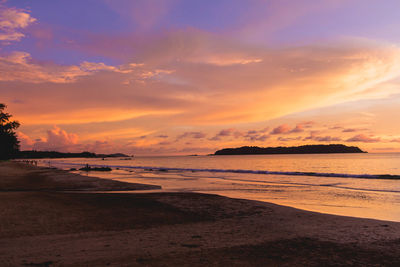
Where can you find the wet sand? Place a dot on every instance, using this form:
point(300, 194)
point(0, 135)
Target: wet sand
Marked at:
point(47, 219)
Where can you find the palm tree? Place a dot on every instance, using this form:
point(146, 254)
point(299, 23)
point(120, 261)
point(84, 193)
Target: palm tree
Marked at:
point(9, 144)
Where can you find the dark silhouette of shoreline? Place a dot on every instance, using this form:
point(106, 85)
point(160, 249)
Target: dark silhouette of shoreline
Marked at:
point(306, 149)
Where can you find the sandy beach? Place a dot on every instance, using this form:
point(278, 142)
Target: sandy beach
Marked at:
point(50, 217)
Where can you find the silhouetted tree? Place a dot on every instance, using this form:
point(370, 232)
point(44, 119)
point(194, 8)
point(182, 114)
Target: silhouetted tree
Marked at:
point(9, 144)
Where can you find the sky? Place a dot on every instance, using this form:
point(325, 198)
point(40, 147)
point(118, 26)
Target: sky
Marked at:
point(180, 77)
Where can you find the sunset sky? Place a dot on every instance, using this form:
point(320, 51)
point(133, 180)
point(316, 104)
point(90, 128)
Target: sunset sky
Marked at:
point(170, 77)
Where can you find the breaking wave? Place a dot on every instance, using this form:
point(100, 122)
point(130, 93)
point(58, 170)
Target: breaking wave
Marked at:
point(290, 173)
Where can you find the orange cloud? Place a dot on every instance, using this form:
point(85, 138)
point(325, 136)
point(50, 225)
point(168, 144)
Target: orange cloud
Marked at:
point(280, 83)
point(314, 136)
point(57, 139)
point(224, 59)
point(289, 139)
point(281, 129)
point(25, 141)
point(226, 133)
point(191, 79)
point(298, 129)
point(12, 21)
point(195, 135)
point(364, 139)
point(19, 66)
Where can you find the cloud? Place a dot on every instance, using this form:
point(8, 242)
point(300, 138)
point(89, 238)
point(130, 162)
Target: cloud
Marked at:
point(250, 135)
point(298, 129)
point(327, 138)
point(26, 142)
point(98, 146)
point(257, 137)
point(349, 130)
point(289, 139)
point(94, 67)
point(352, 130)
point(307, 124)
point(165, 143)
point(168, 79)
point(282, 129)
point(225, 60)
point(226, 133)
point(195, 135)
point(315, 137)
point(12, 21)
point(19, 66)
point(364, 139)
point(164, 83)
point(57, 139)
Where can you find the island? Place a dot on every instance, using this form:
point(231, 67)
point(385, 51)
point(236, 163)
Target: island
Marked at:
point(33, 154)
point(306, 149)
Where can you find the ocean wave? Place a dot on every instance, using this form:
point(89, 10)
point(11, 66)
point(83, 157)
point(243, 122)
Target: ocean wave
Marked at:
point(289, 173)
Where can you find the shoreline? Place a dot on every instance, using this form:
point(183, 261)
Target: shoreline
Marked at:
point(43, 225)
point(245, 171)
point(366, 198)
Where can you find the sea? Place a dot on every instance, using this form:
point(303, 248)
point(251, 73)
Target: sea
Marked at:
point(365, 185)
